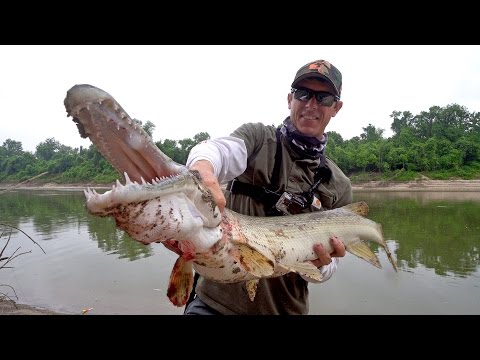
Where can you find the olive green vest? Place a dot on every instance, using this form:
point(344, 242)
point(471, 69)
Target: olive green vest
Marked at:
point(286, 294)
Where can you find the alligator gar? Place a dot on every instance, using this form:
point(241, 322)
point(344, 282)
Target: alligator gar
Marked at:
point(162, 201)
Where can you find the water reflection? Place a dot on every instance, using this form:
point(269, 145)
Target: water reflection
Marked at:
point(52, 211)
point(439, 231)
point(115, 241)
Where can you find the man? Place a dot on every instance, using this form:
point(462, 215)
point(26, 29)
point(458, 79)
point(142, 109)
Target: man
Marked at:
point(260, 170)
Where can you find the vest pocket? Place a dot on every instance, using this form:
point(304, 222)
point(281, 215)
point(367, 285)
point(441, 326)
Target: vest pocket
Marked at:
point(327, 197)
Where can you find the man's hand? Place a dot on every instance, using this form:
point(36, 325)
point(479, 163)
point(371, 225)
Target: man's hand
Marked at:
point(325, 258)
point(205, 168)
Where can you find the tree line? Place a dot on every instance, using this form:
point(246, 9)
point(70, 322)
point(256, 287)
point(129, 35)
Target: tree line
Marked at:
point(443, 142)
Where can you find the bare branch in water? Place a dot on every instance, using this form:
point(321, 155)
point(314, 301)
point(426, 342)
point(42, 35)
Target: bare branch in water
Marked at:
point(7, 259)
point(8, 240)
point(23, 234)
point(5, 295)
point(13, 256)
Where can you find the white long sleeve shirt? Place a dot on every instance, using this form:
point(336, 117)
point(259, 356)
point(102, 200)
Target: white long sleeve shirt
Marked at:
point(228, 156)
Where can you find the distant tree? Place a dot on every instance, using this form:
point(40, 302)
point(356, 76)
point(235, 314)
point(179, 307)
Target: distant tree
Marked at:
point(11, 147)
point(334, 139)
point(149, 127)
point(169, 148)
point(201, 136)
point(17, 163)
point(371, 133)
point(452, 122)
point(401, 120)
point(47, 149)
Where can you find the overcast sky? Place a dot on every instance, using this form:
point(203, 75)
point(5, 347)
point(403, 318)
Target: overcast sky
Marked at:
point(185, 90)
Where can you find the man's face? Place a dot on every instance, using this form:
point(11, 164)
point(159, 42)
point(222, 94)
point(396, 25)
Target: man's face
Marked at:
point(309, 117)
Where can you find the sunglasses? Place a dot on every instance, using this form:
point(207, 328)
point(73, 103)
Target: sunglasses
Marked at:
point(323, 98)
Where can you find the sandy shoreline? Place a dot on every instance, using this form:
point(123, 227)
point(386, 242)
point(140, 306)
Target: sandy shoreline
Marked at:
point(417, 185)
point(8, 308)
point(420, 185)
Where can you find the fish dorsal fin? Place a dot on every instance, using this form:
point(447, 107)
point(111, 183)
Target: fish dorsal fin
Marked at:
point(359, 208)
point(361, 249)
point(252, 260)
point(306, 269)
point(251, 286)
point(181, 282)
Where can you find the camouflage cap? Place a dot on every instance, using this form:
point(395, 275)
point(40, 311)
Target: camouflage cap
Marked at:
point(322, 69)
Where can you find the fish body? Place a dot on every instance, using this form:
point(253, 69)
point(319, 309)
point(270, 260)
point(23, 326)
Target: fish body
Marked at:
point(162, 201)
point(288, 240)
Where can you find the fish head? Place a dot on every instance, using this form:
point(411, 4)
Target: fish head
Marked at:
point(118, 137)
point(178, 207)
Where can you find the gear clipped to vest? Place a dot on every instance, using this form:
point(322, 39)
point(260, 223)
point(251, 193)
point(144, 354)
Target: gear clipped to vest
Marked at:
point(286, 203)
point(291, 204)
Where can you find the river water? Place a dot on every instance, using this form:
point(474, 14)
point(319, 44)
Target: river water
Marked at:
point(89, 264)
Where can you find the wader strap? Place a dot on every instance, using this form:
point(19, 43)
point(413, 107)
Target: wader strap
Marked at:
point(193, 293)
point(276, 166)
point(263, 194)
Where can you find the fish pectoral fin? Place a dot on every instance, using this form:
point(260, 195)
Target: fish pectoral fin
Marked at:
point(251, 286)
point(252, 260)
point(181, 282)
point(360, 248)
point(306, 269)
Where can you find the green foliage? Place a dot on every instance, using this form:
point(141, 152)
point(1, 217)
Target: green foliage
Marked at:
point(403, 175)
point(11, 147)
point(443, 142)
point(178, 150)
point(371, 133)
point(47, 149)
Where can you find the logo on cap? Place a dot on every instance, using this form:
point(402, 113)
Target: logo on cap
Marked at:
point(321, 66)
point(325, 70)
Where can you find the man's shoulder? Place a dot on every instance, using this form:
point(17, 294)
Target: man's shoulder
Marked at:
point(257, 130)
point(332, 164)
point(337, 174)
point(258, 126)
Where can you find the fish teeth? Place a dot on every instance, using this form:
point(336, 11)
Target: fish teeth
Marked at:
point(127, 179)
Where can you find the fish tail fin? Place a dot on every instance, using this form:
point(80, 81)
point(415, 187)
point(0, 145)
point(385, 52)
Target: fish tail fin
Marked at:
point(181, 282)
point(387, 250)
point(360, 248)
point(391, 259)
point(252, 260)
point(360, 208)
